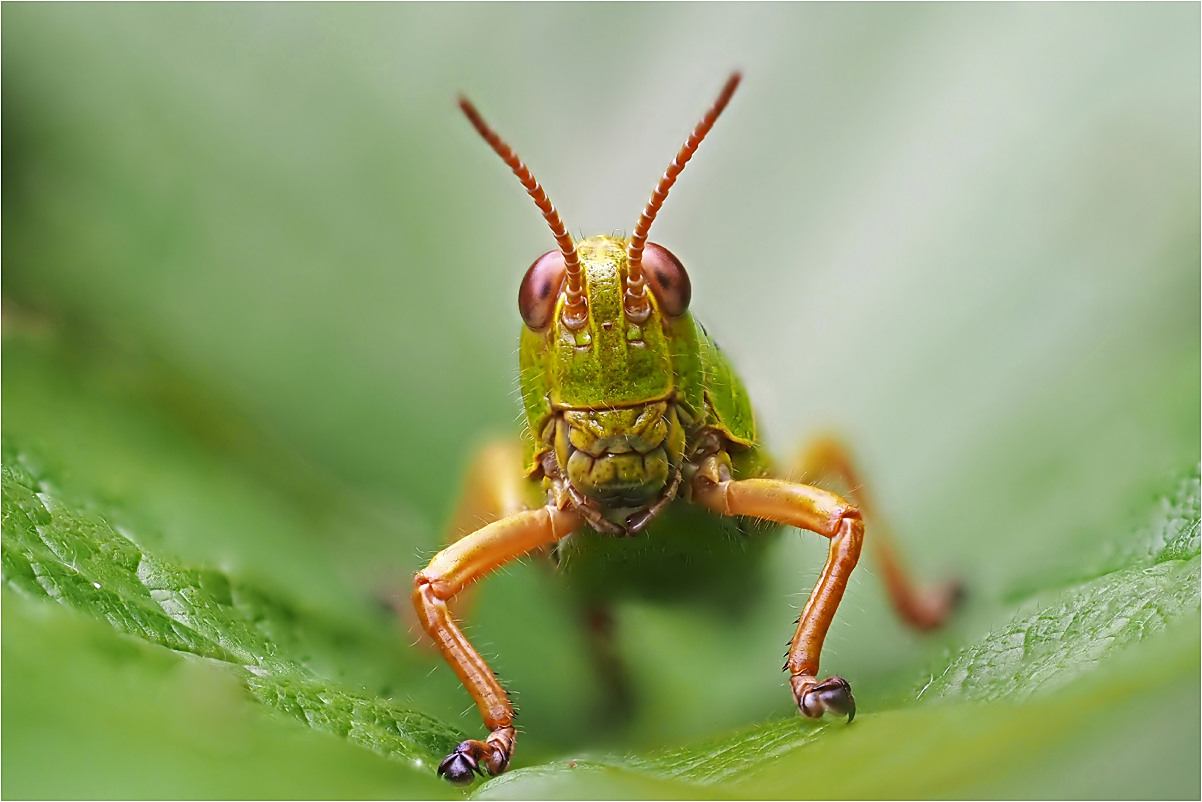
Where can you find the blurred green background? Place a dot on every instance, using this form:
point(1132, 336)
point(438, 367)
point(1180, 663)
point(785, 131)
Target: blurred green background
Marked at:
point(260, 281)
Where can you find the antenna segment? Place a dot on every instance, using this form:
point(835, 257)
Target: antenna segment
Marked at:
point(637, 306)
point(576, 313)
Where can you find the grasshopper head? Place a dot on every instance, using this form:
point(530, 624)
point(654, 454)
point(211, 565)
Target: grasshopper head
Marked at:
point(597, 349)
point(603, 353)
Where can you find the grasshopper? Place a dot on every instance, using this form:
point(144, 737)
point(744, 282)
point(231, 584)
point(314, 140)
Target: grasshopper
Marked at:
point(633, 416)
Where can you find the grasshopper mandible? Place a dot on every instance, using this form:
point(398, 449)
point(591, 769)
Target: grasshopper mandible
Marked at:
point(633, 414)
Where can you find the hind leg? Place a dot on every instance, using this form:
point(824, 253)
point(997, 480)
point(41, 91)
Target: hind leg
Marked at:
point(922, 608)
point(616, 703)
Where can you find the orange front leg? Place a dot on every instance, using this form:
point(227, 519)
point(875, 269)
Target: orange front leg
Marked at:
point(493, 488)
point(923, 609)
point(453, 569)
point(830, 516)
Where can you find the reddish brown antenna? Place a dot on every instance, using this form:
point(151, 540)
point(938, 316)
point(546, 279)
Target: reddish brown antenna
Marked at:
point(575, 314)
point(637, 307)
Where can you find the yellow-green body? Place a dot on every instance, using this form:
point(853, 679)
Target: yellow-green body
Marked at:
point(661, 387)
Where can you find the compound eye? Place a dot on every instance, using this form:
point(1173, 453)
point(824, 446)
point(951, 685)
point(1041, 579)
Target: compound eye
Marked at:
point(540, 289)
point(667, 278)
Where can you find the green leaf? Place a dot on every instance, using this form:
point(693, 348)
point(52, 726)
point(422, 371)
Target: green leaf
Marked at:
point(57, 550)
point(1053, 641)
point(94, 714)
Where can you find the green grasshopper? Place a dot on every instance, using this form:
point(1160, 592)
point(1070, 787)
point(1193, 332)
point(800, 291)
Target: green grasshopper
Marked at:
point(634, 419)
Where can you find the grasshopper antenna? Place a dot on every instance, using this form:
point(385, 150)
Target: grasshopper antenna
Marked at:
point(637, 306)
point(575, 312)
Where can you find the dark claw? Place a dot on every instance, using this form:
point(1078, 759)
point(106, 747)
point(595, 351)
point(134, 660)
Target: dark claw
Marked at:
point(832, 695)
point(459, 767)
